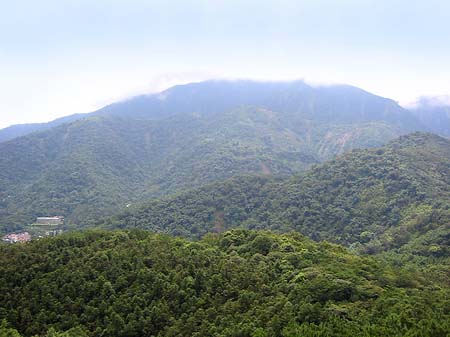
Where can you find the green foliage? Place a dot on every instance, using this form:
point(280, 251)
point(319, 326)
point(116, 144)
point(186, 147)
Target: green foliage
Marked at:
point(6, 331)
point(239, 283)
point(91, 167)
point(73, 332)
point(372, 200)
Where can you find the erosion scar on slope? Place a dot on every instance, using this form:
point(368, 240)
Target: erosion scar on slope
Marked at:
point(265, 169)
point(219, 222)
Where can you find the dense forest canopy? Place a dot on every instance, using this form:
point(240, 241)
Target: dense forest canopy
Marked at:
point(239, 283)
point(374, 200)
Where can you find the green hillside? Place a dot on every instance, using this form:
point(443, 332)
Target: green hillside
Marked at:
point(373, 200)
point(239, 283)
point(92, 167)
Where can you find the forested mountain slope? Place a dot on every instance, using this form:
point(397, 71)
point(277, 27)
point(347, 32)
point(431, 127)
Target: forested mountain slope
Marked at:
point(239, 283)
point(87, 168)
point(92, 166)
point(375, 200)
point(336, 103)
point(19, 130)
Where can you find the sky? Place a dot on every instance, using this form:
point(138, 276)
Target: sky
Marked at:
point(59, 57)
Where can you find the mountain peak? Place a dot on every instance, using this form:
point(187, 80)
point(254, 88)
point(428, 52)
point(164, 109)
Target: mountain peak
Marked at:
point(324, 103)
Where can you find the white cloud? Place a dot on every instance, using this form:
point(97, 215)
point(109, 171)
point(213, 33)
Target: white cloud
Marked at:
point(431, 101)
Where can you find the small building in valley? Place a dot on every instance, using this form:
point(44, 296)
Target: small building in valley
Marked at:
point(50, 220)
point(17, 237)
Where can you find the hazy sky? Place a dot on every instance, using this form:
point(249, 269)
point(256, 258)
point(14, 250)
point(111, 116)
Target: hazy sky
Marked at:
point(59, 57)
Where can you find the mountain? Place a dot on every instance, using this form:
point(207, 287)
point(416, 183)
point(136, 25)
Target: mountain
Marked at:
point(239, 283)
point(434, 113)
point(373, 200)
point(20, 130)
point(223, 163)
point(187, 136)
point(336, 103)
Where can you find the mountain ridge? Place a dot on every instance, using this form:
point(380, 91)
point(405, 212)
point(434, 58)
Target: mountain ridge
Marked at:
point(221, 95)
point(382, 198)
